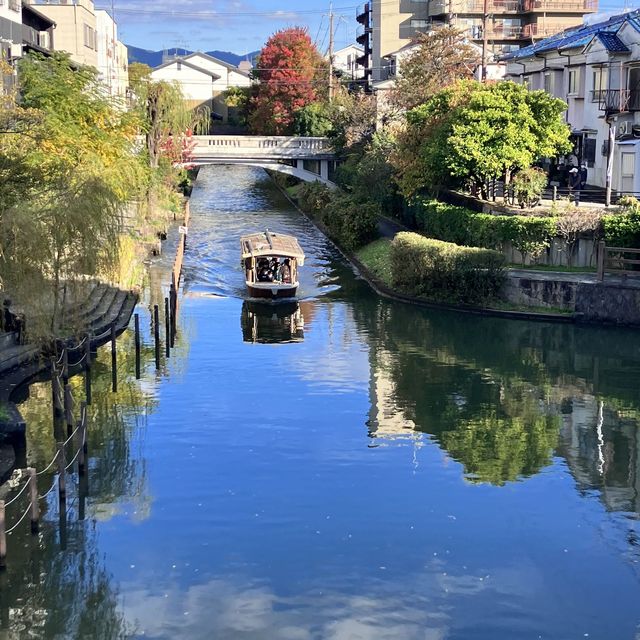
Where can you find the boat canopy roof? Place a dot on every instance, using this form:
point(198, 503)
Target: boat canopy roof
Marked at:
point(268, 243)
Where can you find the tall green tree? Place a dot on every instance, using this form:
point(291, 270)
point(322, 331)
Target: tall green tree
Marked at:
point(472, 132)
point(72, 151)
point(441, 57)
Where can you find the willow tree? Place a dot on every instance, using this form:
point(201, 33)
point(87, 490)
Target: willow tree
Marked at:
point(73, 150)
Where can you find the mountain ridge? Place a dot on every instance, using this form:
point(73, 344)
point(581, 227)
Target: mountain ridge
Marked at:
point(154, 58)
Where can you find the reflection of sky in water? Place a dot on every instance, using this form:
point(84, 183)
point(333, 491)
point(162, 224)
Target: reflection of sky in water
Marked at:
point(321, 488)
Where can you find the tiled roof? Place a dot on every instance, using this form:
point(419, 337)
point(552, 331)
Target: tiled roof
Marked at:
point(578, 36)
point(611, 42)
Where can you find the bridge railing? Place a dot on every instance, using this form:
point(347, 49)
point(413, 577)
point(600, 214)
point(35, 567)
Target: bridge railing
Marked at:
point(267, 145)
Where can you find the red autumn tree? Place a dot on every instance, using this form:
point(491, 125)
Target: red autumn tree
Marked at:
point(291, 74)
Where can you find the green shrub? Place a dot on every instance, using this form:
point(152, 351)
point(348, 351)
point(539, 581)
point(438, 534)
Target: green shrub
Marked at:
point(444, 271)
point(529, 235)
point(350, 223)
point(623, 229)
point(528, 186)
point(313, 196)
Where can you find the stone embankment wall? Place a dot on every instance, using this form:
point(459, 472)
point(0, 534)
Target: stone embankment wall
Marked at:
point(614, 301)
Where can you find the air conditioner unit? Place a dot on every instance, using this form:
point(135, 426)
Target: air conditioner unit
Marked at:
point(624, 129)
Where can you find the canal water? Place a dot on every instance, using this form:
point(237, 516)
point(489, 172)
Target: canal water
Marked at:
point(343, 468)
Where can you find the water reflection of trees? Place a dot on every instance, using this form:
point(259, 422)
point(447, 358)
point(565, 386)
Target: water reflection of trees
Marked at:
point(56, 590)
point(498, 394)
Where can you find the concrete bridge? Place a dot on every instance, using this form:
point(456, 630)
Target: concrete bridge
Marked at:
point(305, 158)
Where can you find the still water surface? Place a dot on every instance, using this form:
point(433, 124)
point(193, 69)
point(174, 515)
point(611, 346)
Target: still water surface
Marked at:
point(347, 468)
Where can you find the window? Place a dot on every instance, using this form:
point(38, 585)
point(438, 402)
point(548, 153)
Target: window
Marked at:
point(419, 24)
point(548, 83)
point(526, 82)
point(600, 82)
point(574, 81)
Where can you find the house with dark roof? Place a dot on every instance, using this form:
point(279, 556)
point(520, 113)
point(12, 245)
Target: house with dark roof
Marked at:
point(203, 80)
point(595, 69)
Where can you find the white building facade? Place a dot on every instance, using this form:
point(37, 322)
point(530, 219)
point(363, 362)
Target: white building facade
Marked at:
point(112, 56)
point(345, 62)
point(595, 69)
point(203, 80)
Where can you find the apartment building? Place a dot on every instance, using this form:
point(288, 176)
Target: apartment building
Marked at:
point(22, 28)
point(595, 69)
point(510, 24)
point(505, 25)
point(75, 27)
point(112, 56)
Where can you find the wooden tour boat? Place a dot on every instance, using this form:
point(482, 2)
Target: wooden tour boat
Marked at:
point(270, 262)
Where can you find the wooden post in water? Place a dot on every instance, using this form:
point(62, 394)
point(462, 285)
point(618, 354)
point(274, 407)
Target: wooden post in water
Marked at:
point(79, 443)
point(136, 324)
point(114, 361)
point(65, 365)
point(87, 368)
point(173, 299)
point(85, 421)
point(3, 538)
point(62, 482)
point(55, 390)
point(68, 408)
point(167, 328)
point(33, 497)
point(156, 333)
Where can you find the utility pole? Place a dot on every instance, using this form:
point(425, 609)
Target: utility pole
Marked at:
point(485, 37)
point(330, 51)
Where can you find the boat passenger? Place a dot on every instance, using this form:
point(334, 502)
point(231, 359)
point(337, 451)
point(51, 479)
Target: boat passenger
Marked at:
point(275, 269)
point(264, 273)
point(285, 272)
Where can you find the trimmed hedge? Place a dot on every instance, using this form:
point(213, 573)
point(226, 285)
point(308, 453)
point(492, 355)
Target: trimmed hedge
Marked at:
point(350, 223)
point(444, 271)
point(622, 229)
point(529, 235)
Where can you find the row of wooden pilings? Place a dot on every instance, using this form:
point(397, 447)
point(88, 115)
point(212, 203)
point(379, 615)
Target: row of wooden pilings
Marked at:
point(63, 407)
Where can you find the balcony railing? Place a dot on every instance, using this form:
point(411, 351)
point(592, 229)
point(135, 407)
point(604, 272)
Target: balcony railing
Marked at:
point(560, 6)
point(542, 30)
point(503, 32)
point(493, 6)
point(35, 38)
point(616, 100)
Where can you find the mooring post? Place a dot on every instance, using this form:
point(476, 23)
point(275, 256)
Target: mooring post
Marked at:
point(136, 324)
point(80, 445)
point(85, 421)
point(87, 351)
point(68, 408)
point(3, 538)
point(65, 365)
point(555, 193)
point(55, 390)
point(167, 328)
point(156, 333)
point(33, 496)
point(173, 297)
point(62, 482)
point(114, 362)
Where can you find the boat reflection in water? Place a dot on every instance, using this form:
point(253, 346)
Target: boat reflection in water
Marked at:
point(272, 323)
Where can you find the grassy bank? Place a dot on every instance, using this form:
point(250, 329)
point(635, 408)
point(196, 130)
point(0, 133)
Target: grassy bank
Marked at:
point(376, 257)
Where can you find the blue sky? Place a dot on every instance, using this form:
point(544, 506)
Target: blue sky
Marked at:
point(236, 25)
point(232, 25)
